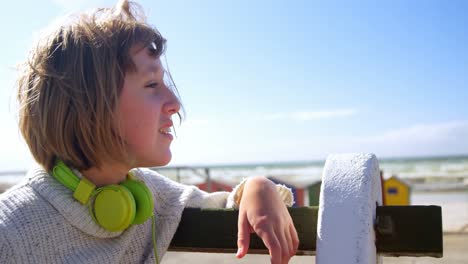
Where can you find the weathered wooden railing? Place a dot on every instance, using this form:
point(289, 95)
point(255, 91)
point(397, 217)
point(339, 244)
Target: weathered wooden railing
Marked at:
point(400, 231)
point(350, 219)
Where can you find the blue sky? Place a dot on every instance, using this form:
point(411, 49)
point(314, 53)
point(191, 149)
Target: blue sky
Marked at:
point(289, 80)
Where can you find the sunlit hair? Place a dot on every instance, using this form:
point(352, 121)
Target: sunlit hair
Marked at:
point(69, 88)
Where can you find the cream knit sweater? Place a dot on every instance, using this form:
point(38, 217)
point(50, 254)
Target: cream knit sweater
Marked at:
point(40, 222)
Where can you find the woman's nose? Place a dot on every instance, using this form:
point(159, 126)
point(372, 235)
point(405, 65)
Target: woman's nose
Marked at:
point(173, 105)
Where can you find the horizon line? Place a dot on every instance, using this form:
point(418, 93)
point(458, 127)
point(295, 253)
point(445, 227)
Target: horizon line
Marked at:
point(303, 162)
point(293, 163)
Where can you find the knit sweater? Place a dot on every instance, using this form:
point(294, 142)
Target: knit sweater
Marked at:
point(40, 222)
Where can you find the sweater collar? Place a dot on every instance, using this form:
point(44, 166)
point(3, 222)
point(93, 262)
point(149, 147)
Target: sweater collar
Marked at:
point(61, 198)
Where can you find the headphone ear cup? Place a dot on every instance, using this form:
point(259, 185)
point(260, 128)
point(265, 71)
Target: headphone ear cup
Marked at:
point(114, 208)
point(143, 199)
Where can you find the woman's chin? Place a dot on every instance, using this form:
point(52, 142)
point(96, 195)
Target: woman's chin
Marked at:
point(155, 161)
point(163, 161)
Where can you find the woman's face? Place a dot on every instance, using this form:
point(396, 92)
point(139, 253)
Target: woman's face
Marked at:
point(145, 109)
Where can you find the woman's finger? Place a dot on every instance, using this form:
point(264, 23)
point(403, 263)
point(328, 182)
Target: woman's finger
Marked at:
point(284, 247)
point(294, 237)
point(272, 243)
point(243, 235)
point(287, 235)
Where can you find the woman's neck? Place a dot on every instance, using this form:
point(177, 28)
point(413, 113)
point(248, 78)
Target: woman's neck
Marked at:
point(106, 174)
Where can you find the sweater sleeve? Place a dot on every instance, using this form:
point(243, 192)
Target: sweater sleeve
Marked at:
point(170, 194)
point(235, 195)
point(201, 199)
point(6, 250)
point(192, 196)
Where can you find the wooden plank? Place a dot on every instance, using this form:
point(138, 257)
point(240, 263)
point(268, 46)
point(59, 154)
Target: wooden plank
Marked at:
point(215, 230)
point(409, 231)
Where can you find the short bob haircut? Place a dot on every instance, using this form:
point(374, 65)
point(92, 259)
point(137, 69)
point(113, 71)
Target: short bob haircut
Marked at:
point(69, 88)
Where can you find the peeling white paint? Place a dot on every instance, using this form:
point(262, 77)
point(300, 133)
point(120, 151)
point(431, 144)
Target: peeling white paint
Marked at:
point(351, 190)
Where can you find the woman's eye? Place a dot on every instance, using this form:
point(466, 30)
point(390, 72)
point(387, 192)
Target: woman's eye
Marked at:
point(152, 85)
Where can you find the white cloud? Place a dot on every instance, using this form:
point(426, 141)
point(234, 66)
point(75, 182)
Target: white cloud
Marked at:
point(448, 138)
point(428, 133)
point(430, 139)
point(312, 115)
point(209, 143)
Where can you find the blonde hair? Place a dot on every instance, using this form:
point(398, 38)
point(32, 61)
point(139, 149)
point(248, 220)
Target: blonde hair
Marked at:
point(69, 87)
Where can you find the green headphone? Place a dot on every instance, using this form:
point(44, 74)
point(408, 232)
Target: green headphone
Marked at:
point(114, 207)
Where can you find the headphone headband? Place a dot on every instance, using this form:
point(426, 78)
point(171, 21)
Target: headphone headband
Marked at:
point(65, 175)
point(82, 188)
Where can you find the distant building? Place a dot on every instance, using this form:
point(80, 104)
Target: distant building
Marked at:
point(396, 191)
point(300, 190)
point(314, 193)
point(215, 186)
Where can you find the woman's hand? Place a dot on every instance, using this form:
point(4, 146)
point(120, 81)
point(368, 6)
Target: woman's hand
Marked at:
point(262, 211)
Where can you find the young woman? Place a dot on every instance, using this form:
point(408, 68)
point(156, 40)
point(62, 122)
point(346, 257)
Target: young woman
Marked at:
point(96, 106)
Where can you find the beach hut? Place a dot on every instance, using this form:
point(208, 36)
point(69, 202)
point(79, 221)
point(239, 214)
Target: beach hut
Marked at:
point(216, 186)
point(299, 187)
point(314, 193)
point(396, 191)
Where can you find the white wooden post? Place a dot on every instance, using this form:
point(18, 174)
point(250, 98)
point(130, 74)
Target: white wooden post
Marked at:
point(350, 193)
